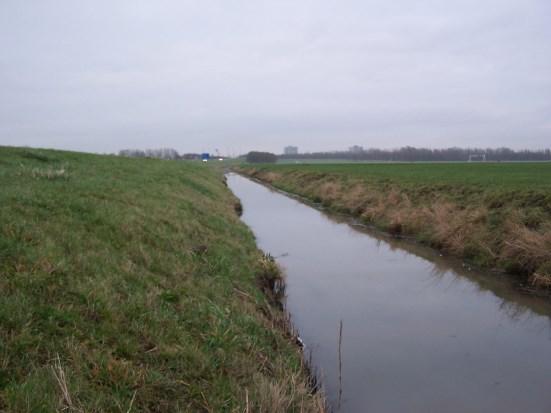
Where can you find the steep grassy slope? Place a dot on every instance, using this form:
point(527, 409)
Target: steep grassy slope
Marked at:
point(496, 215)
point(131, 285)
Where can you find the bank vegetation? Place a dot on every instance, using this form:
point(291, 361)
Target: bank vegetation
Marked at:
point(494, 215)
point(131, 285)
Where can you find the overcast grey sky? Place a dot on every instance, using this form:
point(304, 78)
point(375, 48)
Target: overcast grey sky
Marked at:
point(238, 75)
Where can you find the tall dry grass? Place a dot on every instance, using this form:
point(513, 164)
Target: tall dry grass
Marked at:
point(272, 396)
point(532, 249)
point(458, 227)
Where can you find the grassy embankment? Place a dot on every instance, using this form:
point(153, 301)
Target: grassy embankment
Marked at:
point(495, 215)
point(132, 286)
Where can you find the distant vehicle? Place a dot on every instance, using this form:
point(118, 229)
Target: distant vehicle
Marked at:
point(205, 157)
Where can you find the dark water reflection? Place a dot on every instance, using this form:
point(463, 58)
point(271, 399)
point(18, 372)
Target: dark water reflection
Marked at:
point(421, 333)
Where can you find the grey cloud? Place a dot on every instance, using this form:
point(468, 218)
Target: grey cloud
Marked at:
point(199, 75)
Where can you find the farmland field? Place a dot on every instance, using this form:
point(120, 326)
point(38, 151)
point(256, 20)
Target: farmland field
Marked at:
point(517, 175)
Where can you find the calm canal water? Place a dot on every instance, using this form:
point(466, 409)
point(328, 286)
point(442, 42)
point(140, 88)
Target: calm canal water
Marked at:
point(420, 332)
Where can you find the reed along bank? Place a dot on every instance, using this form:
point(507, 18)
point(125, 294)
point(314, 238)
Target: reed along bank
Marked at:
point(132, 285)
point(494, 215)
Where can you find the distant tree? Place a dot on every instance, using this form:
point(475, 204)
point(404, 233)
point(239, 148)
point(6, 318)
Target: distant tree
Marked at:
point(132, 153)
point(411, 154)
point(191, 156)
point(164, 153)
point(261, 157)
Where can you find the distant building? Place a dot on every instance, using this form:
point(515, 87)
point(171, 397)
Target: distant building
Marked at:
point(290, 150)
point(356, 149)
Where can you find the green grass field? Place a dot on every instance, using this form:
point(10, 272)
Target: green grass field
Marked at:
point(492, 214)
point(517, 176)
point(131, 285)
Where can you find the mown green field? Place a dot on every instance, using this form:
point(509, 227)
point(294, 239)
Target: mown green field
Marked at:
point(495, 215)
point(131, 285)
point(504, 176)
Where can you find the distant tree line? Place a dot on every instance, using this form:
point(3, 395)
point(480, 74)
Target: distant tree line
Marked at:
point(261, 157)
point(163, 153)
point(410, 154)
